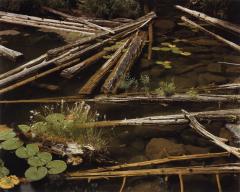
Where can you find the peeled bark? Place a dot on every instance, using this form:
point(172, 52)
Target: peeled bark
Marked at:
point(11, 54)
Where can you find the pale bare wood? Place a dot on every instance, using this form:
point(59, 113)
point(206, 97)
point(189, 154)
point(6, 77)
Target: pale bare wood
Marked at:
point(214, 139)
point(9, 53)
point(218, 183)
point(181, 183)
point(218, 22)
point(123, 184)
point(218, 37)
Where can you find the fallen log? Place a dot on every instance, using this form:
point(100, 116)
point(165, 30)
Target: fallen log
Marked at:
point(217, 22)
point(9, 53)
point(168, 122)
point(97, 77)
point(218, 37)
point(150, 39)
point(195, 170)
point(124, 64)
point(160, 161)
point(231, 86)
point(72, 71)
point(214, 139)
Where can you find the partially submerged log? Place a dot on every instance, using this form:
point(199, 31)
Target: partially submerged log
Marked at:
point(231, 86)
point(97, 77)
point(168, 122)
point(214, 139)
point(218, 37)
point(125, 63)
point(218, 22)
point(9, 53)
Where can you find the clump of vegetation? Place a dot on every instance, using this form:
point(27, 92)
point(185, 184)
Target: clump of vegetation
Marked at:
point(113, 8)
point(63, 123)
point(166, 88)
point(192, 92)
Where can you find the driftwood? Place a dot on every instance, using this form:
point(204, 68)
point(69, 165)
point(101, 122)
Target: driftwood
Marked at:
point(168, 122)
point(72, 71)
point(96, 78)
point(161, 161)
point(9, 53)
point(231, 86)
point(124, 64)
point(214, 139)
point(211, 20)
point(218, 37)
point(205, 170)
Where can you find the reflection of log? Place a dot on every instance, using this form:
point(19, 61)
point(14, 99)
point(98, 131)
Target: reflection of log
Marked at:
point(125, 63)
point(161, 161)
point(211, 20)
point(11, 54)
point(166, 122)
point(206, 170)
point(72, 71)
point(97, 77)
point(214, 139)
point(218, 37)
point(133, 99)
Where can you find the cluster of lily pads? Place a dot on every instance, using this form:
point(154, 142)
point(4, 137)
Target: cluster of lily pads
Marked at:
point(40, 163)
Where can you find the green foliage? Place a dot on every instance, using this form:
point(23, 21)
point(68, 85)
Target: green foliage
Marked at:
point(3, 171)
point(129, 83)
point(56, 167)
point(145, 82)
point(165, 64)
point(166, 88)
point(24, 128)
point(36, 173)
point(26, 152)
point(192, 92)
point(40, 160)
point(113, 8)
point(11, 144)
point(7, 134)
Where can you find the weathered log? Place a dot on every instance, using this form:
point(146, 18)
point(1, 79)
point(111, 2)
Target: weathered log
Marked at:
point(97, 77)
point(72, 71)
point(161, 161)
point(195, 170)
point(9, 53)
point(125, 63)
point(150, 39)
point(214, 139)
point(231, 86)
point(218, 37)
point(217, 22)
point(168, 122)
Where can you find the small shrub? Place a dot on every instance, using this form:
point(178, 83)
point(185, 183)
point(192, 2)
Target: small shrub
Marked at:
point(113, 8)
point(166, 89)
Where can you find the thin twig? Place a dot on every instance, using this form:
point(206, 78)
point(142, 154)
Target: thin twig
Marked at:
point(218, 183)
point(123, 184)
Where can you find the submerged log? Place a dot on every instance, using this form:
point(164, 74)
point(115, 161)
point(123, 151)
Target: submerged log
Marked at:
point(168, 122)
point(125, 63)
point(214, 139)
point(9, 53)
point(211, 20)
point(97, 77)
point(218, 37)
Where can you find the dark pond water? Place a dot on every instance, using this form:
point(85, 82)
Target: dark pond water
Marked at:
point(129, 145)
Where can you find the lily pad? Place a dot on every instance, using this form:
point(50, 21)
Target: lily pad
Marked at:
point(11, 144)
point(4, 172)
point(1, 163)
point(56, 167)
point(36, 174)
point(39, 127)
point(7, 134)
point(26, 152)
point(156, 48)
point(24, 128)
point(166, 64)
point(165, 49)
point(168, 45)
point(40, 160)
point(9, 182)
point(186, 53)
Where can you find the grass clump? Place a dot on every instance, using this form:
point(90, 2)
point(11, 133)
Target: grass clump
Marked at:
point(192, 92)
point(166, 89)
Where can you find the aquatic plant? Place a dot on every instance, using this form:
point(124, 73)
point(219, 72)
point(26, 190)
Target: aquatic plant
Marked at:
point(145, 82)
point(128, 83)
point(192, 92)
point(166, 88)
point(9, 182)
point(165, 64)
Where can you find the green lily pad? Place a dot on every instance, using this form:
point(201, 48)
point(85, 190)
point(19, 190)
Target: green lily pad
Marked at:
point(26, 152)
point(156, 48)
point(39, 127)
point(3, 172)
point(36, 174)
point(166, 64)
point(176, 51)
point(24, 128)
point(7, 134)
point(165, 49)
point(1, 163)
point(11, 144)
point(40, 160)
point(56, 167)
point(186, 53)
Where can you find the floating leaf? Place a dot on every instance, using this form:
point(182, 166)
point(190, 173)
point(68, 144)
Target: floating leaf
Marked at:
point(56, 167)
point(24, 128)
point(156, 48)
point(11, 144)
point(1, 163)
point(9, 182)
point(4, 172)
point(36, 174)
point(168, 45)
point(39, 127)
point(177, 51)
point(26, 152)
point(40, 160)
point(7, 134)
point(107, 56)
point(166, 64)
point(165, 49)
point(186, 53)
